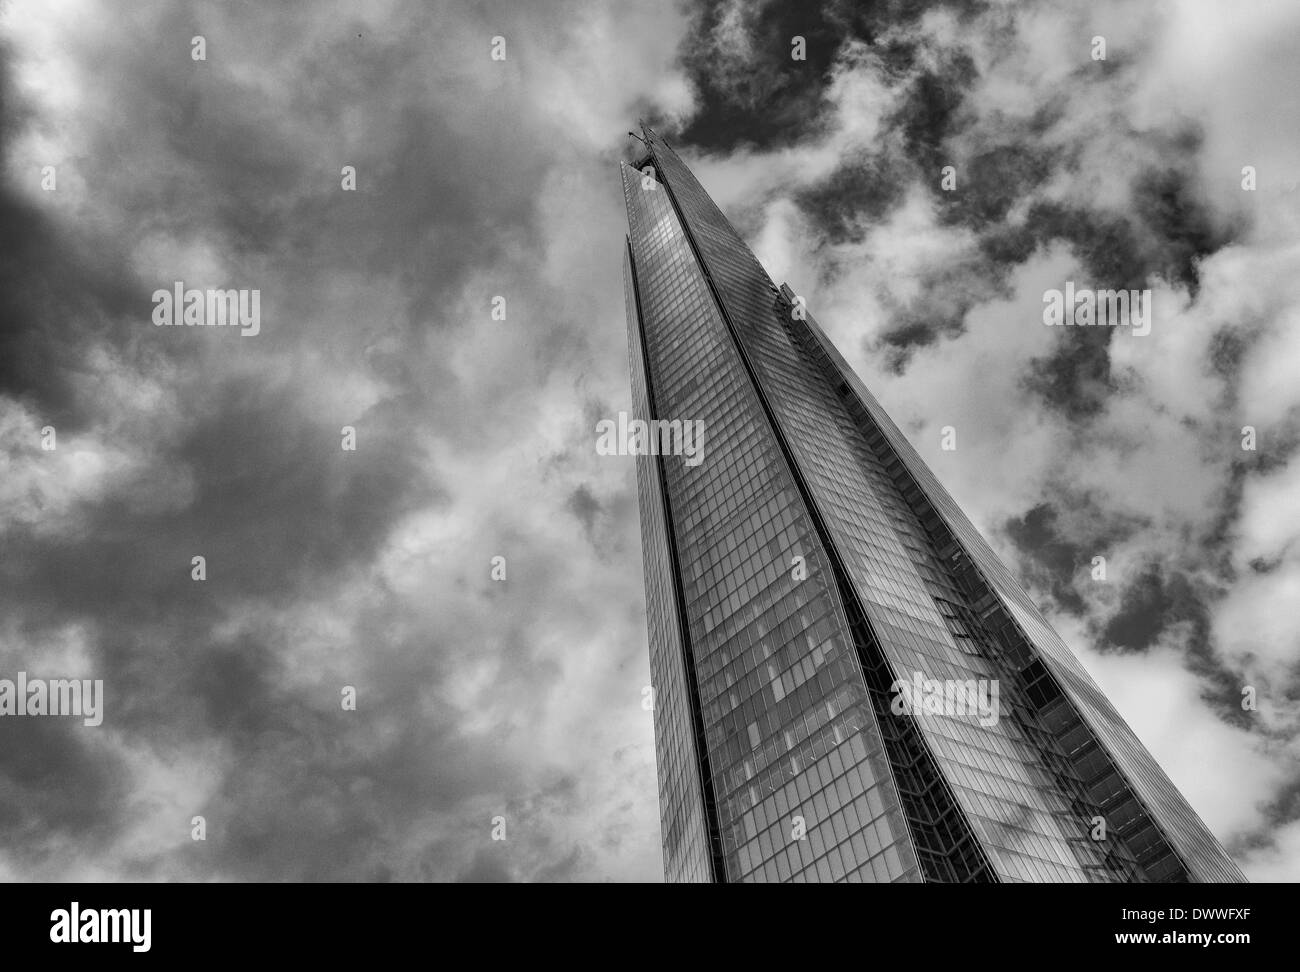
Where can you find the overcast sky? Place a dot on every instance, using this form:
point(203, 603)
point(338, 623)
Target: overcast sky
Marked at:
point(475, 437)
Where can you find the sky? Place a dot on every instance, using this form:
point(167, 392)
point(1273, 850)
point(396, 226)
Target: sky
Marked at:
point(482, 703)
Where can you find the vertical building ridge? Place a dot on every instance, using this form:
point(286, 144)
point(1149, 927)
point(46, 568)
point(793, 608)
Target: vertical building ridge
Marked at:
point(805, 766)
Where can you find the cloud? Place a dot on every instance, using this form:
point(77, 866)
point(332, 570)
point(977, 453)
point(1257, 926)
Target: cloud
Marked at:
point(476, 179)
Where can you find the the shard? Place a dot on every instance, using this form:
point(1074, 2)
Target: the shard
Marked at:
point(809, 573)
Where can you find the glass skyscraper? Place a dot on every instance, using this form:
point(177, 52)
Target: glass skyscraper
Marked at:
point(805, 574)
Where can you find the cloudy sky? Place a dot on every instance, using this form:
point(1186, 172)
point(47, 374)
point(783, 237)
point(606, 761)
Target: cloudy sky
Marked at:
point(478, 178)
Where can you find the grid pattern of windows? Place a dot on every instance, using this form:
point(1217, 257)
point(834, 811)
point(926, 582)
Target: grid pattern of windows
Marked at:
point(683, 819)
point(1016, 807)
point(1138, 799)
point(802, 786)
point(793, 679)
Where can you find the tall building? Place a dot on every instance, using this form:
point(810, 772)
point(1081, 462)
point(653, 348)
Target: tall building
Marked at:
point(822, 617)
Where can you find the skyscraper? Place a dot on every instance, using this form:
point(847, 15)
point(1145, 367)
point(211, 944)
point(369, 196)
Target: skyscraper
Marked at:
point(849, 684)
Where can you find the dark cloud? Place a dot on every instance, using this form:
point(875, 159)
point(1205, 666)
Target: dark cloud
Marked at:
point(57, 783)
point(947, 292)
point(1055, 554)
point(757, 94)
point(1154, 601)
point(751, 92)
point(1142, 616)
point(1106, 244)
point(990, 182)
point(859, 193)
point(1167, 203)
point(278, 508)
point(57, 294)
point(930, 111)
point(582, 503)
point(1075, 378)
point(1053, 559)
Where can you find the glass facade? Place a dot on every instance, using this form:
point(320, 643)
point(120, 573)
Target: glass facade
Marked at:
point(806, 566)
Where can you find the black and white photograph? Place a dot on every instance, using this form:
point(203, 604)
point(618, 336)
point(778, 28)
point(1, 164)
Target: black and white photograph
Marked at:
point(616, 442)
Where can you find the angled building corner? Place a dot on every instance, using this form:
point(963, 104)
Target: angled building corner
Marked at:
point(805, 570)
